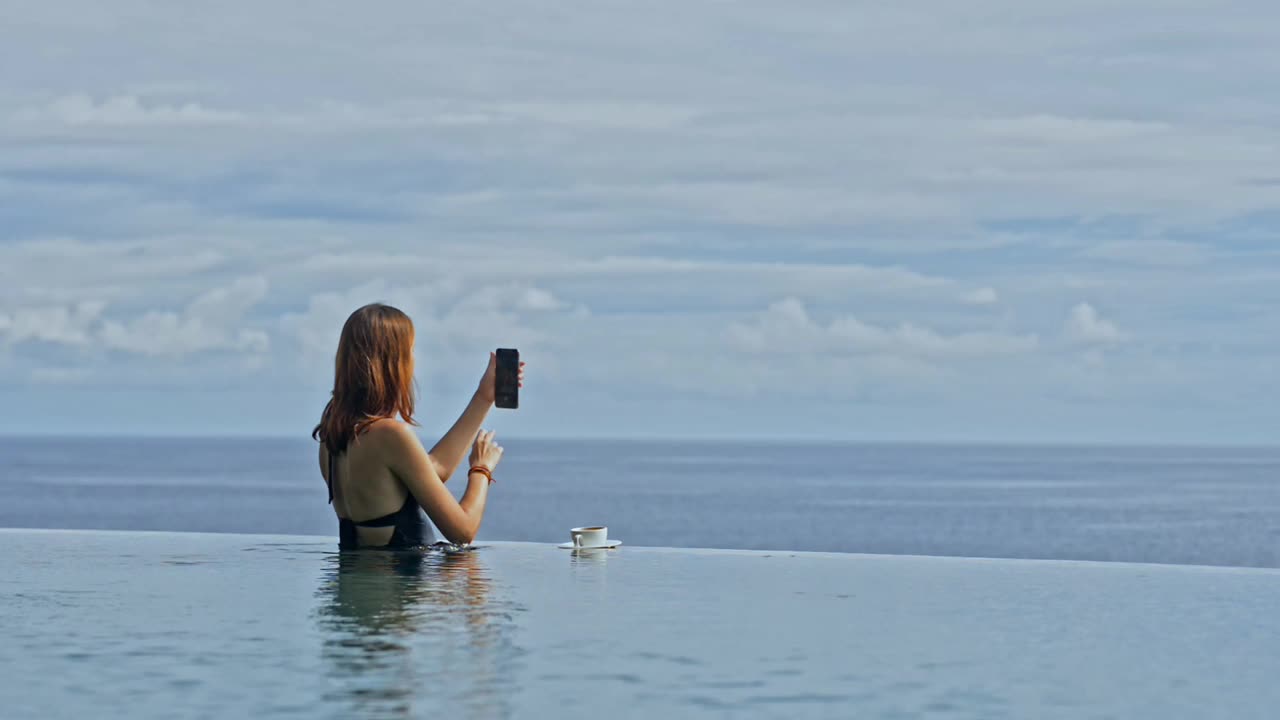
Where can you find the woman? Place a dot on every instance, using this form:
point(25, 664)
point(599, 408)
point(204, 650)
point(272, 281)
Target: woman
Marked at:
point(380, 477)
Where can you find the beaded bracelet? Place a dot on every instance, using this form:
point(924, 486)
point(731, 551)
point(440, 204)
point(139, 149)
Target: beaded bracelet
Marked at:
point(483, 471)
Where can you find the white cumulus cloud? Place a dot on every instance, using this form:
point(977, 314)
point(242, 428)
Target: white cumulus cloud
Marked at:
point(1085, 326)
point(786, 327)
point(212, 321)
point(59, 324)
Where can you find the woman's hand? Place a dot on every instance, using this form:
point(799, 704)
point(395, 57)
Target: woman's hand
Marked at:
point(488, 390)
point(486, 453)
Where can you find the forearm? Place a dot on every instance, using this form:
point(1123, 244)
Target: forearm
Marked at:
point(473, 501)
point(448, 453)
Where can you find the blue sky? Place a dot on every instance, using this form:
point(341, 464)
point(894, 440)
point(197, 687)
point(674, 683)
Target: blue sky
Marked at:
point(990, 221)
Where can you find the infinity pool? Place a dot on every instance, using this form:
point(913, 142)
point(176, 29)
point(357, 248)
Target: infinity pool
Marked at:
point(158, 625)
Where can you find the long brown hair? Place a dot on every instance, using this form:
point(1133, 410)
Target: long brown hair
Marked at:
point(373, 376)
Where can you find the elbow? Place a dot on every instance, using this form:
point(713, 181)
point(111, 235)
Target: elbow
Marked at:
point(441, 470)
point(462, 535)
point(461, 538)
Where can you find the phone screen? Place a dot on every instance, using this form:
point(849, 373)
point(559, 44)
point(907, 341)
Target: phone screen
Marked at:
point(507, 381)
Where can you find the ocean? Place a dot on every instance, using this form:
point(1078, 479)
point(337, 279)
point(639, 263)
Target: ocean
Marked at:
point(1178, 505)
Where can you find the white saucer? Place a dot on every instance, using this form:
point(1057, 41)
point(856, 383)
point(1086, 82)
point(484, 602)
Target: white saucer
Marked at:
point(608, 545)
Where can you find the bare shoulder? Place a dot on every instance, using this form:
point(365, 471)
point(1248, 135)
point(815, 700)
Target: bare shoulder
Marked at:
point(393, 435)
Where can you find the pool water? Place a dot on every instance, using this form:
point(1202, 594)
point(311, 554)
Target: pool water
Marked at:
point(161, 625)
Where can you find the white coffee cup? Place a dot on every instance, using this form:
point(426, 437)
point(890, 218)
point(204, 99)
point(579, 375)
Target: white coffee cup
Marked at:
point(590, 537)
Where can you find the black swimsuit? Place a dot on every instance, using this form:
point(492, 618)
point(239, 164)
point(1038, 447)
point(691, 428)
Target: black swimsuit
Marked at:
point(411, 528)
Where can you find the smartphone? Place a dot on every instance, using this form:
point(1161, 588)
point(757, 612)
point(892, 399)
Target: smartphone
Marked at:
point(507, 380)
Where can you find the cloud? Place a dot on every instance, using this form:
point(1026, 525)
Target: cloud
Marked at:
point(1086, 327)
point(452, 319)
point(671, 143)
point(981, 296)
point(557, 264)
point(210, 322)
point(126, 111)
point(59, 324)
point(1170, 253)
point(537, 299)
point(1058, 129)
point(62, 270)
point(787, 328)
point(60, 375)
point(617, 115)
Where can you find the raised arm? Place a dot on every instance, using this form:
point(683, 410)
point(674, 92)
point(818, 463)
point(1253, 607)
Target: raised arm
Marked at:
point(459, 521)
point(448, 453)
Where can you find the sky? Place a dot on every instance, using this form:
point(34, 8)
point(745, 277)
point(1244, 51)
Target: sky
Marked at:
point(993, 221)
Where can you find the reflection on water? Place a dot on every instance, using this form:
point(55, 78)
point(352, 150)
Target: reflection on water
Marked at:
point(410, 630)
point(588, 556)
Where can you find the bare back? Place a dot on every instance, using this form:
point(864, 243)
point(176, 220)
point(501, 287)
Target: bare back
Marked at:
point(364, 486)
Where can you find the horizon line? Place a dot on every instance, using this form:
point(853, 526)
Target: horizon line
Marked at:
point(688, 439)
